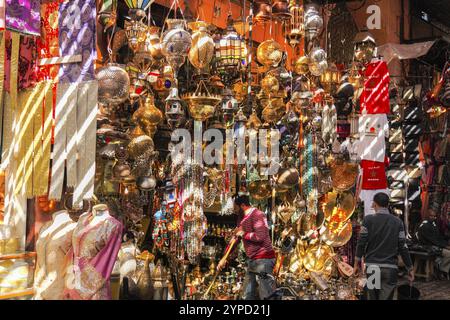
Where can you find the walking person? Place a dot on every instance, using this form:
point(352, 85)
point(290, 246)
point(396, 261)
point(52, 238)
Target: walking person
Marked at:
point(382, 239)
point(254, 231)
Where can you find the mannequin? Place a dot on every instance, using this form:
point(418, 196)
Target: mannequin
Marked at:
point(96, 242)
point(53, 244)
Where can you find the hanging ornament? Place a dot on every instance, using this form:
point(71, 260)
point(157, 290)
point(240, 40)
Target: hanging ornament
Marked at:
point(153, 43)
point(148, 116)
point(269, 53)
point(230, 54)
point(294, 28)
point(160, 232)
point(202, 49)
point(113, 84)
point(313, 22)
point(201, 103)
point(270, 84)
point(174, 109)
point(176, 43)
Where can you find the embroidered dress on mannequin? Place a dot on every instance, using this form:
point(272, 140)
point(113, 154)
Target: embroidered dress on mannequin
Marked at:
point(53, 244)
point(96, 242)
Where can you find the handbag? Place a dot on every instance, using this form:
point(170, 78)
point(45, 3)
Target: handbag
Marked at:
point(396, 147)
point(395, 135)
point(412, 158)
point(412, 130)
point(396, 157)
point(413, 112)
point(411, 145)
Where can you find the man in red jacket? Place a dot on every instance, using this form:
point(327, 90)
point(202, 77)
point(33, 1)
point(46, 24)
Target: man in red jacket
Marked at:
point(254, 230)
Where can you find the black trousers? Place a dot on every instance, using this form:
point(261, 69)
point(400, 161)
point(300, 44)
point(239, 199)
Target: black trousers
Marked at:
point(384, 288)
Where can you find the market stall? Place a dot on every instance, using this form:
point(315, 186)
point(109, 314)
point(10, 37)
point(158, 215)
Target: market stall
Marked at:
point(129, 126)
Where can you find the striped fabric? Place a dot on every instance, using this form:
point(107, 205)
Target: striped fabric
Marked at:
point(257, 242)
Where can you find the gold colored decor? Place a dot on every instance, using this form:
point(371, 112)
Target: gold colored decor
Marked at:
point(287, 178)
point(270, 84)
point(113, 84)
point(365, 46)
point(139, 145)
point(294, 28)
point(343, 174)
point(337, 237)
point(148, 116)
point(316, 257)
point(269, 53)
point(284, 212)
point(260, 189)
point(153, 43)
point(301, 65)
point(202, 49)
point(202, 104)
point(253, 121)
point(338, 206)
point(274, 111)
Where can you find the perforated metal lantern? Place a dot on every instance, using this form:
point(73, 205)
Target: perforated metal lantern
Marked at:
point(176, 43)
point(365, 46)
point(294, 28)
point(313, 22)
point(230, 54)
point(113, 84)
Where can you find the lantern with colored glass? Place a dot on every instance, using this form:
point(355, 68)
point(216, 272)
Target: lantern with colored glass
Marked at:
point(294, 28)
point(365, 47)
point(230, 54)
point(330, 78)
point(135, 29)
point(174, 109)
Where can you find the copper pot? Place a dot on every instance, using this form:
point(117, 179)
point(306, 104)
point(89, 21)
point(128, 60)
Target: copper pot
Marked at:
point(280, 10)
point(264, 13)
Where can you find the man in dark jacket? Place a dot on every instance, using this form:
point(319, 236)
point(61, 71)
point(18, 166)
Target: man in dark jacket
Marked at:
point(382, 238)
point(428, 235)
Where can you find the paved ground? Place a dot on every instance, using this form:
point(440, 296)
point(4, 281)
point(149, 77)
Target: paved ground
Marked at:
point(432, 290)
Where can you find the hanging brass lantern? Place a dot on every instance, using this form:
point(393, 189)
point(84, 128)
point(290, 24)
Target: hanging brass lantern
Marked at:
point(294, 29)
point(176, 43)
point(201, 103)
point(301, 65)
point(140, 145)
point(202, 49)
point(148, 116)
point(269, 53)
point(113, 84)
point(365, 47)
point(270, 84)
point(331, 78)
point(153, 43)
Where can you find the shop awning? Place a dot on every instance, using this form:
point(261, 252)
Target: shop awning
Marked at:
point(392, 51)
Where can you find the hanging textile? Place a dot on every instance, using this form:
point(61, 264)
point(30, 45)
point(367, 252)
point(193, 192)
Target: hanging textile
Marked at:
point(32, 140)
point(15, 203)
point(76, 101)
point(2, 15)
point(23, 16)
point(21, 62)
point(47, 43)
point(375, 96)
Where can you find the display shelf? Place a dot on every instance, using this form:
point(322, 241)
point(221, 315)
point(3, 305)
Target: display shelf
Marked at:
point(17, 294)
point(18, 255)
